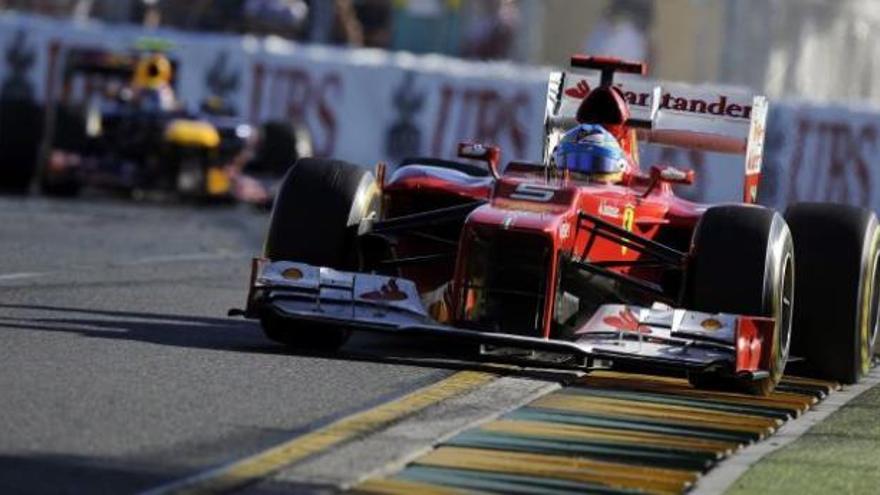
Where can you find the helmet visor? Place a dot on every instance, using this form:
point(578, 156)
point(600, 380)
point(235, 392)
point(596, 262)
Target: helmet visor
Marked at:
point(587, 163)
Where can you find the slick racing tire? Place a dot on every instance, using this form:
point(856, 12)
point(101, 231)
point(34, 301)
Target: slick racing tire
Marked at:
point(192, 181)
point(743, 263)
point(69, 138)
point(21, 132)
point(319, 207)
point(836, 289)
point(280, 146)
point(64, 186)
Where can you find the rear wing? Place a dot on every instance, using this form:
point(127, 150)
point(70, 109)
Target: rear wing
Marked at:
point(725, 120)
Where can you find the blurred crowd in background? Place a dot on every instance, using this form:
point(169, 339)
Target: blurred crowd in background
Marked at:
point(474, 29)
point(481, 29)
point(776, 46)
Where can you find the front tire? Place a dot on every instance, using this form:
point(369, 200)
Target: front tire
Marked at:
point(189, 174)
point(317, 211)
point(836, 290)
point(744, 264)
point(314, 220)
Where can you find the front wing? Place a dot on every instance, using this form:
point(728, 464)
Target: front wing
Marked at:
point(659, 336)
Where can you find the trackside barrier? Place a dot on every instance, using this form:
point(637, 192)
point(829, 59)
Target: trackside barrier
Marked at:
point(367, 105)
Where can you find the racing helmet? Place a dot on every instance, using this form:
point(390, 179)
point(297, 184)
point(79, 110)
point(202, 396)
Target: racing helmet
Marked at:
point(590, 150)
point(152, 71)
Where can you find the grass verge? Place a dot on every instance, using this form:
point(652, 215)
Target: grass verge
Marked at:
point(839, 455)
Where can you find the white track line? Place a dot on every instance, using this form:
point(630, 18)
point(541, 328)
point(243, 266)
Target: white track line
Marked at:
point(22, 275)
point(173, 258)
point(723, 476)
point(388, 451)
point(149, 260)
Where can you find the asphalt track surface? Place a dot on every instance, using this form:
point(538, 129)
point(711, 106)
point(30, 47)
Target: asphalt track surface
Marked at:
point(119, 370)
point(120, 373)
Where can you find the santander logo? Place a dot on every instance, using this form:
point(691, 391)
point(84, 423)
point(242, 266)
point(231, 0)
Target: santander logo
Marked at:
point(579, 91)
point(721, 106)
point(388, 292)
point(626, 321)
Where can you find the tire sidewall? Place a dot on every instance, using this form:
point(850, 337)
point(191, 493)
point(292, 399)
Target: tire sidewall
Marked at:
point(868, 297)
point(837, 296)
point(780, 257)
point(317, 212)
point(739, 260)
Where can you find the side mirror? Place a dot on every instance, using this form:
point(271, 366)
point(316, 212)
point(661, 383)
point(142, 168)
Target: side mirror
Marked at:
point(477, 151)
point(671, 175)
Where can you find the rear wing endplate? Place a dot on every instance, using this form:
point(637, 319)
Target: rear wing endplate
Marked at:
point(707, 118)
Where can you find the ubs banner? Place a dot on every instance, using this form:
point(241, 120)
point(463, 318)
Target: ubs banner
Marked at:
point(822, 153)
point(369, 105)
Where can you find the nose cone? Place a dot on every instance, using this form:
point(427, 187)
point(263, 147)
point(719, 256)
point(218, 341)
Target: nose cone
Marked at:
point(535, 207)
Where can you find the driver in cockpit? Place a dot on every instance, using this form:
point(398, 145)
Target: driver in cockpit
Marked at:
point(151, 84)
point(590, 152)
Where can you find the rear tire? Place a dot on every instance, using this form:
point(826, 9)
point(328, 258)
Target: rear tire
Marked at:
point(281, 145)
point(21, 133)
point(314, 220)
point(836, 289)
point(744, 264)
point(60, 187)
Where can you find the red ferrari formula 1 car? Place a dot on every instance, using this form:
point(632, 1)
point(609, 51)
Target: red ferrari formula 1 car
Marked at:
point(539, 262)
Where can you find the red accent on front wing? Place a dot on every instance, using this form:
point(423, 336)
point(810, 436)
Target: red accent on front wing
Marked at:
point(750, 188)
point(754, 343)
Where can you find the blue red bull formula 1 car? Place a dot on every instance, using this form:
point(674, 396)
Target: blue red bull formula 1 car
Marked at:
point(540, 261)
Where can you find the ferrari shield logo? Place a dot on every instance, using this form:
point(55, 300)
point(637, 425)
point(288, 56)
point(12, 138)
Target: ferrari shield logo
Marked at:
point(629, 218)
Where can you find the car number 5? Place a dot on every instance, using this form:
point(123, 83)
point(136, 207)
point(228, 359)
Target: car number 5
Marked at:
point(533, 192)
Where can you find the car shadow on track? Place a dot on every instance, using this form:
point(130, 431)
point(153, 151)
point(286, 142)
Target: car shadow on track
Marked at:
point(56, 473)
point(228, 334)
